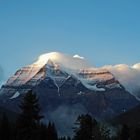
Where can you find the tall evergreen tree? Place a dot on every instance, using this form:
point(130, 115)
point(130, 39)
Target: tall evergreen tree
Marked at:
point(124, 133)
point(43, 132)
point(5, 131)
point(62, 138)
point(29, 118)
point(51, 132)
point(87, 128)
point(105, 132)
point(137, 133)
point(68, 138)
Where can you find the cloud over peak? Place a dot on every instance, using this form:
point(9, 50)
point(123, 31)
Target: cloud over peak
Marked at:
point(78, 56)
point(128, 76)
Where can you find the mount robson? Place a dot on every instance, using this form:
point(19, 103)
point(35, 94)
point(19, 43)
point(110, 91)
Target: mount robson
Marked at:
point(67, 87)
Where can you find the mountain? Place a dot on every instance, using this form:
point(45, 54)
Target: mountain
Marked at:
point(130, 117)
point(66, 88)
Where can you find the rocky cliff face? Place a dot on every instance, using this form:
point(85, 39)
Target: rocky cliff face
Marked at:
point(64, 94)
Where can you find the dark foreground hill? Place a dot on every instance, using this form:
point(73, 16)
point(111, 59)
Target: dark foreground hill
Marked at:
point(131, 117)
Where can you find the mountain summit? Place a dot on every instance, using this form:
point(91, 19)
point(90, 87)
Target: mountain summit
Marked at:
point(75, 62)
point(67, 87)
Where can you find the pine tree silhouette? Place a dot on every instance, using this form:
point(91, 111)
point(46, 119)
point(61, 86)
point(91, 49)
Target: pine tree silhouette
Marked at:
point(124, 133)
point(51, 132)
point(88, 128)
point(43, 132)
point(105, 132)
point(5, 131)
point(29, 119)
point(137, 133)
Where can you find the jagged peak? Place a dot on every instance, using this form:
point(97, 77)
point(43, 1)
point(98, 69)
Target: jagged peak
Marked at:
point(50, 63)
point(59, 66)
point(63, 60)
point(49, 58)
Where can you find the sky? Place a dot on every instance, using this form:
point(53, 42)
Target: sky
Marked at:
point(102, 31)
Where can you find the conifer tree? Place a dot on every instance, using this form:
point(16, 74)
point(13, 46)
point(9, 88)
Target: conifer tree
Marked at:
point(124, 133)
point(68, 138)
point(62, 138)
point(5, 131)
point(87, 128)
point(51, 132)
point(43, 132)
point(105, 132)
point(137, 133)
point(29, 119)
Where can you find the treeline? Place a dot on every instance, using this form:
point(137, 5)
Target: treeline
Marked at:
point(29, 126)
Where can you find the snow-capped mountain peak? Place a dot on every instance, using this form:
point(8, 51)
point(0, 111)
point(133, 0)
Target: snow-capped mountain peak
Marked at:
point(64, 60)
point(59, 68)
point(66, 85)
point(44, 58)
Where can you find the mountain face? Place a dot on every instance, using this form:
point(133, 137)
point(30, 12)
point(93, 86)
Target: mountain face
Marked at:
point(66, 93)
point(130, 117)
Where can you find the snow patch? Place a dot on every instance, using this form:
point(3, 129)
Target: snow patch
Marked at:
point(15, 95)
point(56, 85)
point(80, 93)
point(98, 89)
point(113, 85)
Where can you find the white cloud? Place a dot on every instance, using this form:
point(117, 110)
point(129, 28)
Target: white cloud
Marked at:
point(77, 56)
point(136, 66)
point(128, 76)
point(67, 61)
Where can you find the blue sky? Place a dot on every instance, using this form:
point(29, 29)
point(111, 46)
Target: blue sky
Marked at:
point(103, 31)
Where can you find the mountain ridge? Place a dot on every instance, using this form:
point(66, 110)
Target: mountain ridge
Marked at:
point(66, 93)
